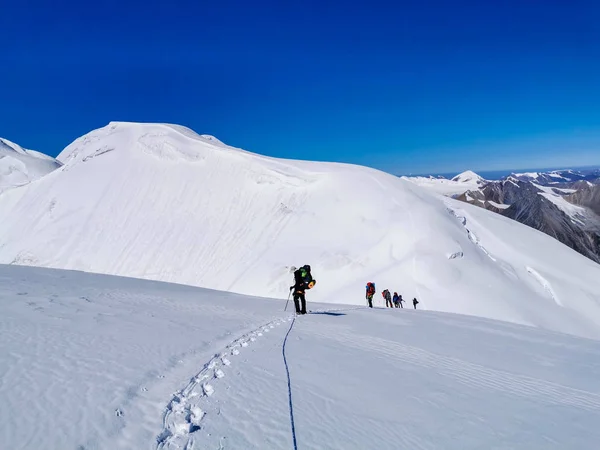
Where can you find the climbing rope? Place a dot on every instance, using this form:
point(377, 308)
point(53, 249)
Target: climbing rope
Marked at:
point(289, 383)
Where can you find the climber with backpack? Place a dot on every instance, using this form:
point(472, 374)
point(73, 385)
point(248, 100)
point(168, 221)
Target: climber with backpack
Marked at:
point(395, 300)
point(303, 280)
point(370, 292)
point(388, 298)
point(400, 300)
point(415, 302)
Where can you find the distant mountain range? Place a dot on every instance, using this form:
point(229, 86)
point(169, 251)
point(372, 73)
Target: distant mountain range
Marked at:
point(555, 177)
point(564, 204)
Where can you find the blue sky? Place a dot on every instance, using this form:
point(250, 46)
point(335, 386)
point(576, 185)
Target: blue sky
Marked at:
point(408, 87)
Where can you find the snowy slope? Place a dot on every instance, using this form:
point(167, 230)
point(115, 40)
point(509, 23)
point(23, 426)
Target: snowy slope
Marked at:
point(19, 166)
point(161, 202)
point(556, 196)
point(90, 361)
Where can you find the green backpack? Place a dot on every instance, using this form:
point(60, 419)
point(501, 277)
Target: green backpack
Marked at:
point(307, 276)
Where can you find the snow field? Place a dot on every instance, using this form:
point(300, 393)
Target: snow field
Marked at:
point(91, 361)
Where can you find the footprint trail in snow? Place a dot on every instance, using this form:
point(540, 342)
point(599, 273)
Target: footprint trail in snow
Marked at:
point(188, 408)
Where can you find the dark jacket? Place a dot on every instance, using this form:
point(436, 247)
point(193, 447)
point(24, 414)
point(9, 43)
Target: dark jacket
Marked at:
point(300, 285)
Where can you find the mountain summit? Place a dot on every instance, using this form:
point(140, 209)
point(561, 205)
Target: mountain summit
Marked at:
point(468, 177)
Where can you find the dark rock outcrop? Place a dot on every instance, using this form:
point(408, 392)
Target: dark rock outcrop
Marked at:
point(547, 209)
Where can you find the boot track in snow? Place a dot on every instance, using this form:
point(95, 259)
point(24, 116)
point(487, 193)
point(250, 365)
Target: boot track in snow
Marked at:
point(184, 415)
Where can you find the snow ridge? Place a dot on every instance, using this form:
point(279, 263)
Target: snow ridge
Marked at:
point(19, 166)
point(472, 236)
point(545, 284)
point(163, 141)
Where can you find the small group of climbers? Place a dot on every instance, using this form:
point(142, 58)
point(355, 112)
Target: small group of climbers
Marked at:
point(395, 301)
point(303, 281)
point(398, 300)
point(390, 302)
point(388, 298)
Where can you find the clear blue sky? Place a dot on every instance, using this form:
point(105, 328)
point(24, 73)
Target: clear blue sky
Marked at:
point(409, 86)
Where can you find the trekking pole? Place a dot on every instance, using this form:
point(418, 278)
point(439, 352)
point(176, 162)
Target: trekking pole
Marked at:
point(288, 300)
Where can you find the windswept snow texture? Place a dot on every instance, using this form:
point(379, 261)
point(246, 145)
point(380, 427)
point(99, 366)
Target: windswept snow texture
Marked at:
point(161, 202)
point(96, 362)
point(19, 166)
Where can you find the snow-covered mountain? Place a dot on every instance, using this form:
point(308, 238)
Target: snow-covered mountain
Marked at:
point(563, 204)
point(466, 181)
point(558, 176)
point(586, 195)
point(469, 177)
point(19, 166)
point(107, 363)
point(568, 215)
point(161, 202)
